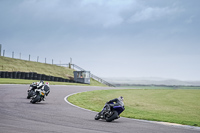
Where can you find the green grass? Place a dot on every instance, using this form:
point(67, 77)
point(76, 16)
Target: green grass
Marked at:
point(11, 64)
point(23, 81)
point(159, 87)
point(180, 106)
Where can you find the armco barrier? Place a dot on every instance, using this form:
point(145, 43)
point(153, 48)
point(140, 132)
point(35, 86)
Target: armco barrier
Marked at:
point(32, 75)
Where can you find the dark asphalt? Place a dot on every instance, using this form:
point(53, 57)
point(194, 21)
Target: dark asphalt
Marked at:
point(18, 115)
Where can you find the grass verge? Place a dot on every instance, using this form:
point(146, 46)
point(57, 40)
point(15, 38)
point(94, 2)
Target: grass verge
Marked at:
point(23, 81)
point(169, 105)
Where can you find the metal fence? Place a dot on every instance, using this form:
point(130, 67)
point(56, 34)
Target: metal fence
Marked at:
point(29, 57)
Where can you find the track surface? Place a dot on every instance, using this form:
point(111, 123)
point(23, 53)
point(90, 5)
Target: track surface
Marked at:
point(18, 115)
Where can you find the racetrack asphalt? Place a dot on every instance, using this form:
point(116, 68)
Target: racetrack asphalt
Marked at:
point(55, 115)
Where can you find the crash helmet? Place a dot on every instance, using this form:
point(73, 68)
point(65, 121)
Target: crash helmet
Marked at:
point(121, 98)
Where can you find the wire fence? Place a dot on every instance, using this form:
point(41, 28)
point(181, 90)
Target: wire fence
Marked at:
point(28, 57)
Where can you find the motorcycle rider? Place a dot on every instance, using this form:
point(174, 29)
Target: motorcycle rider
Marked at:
point(114, 102)
point(117, 102)
point(40, 84)
point(111, 110)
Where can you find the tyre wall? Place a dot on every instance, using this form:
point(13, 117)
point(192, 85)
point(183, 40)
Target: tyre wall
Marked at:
point(32, 76)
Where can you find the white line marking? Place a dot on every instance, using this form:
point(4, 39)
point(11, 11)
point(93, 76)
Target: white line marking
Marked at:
point(66, 100)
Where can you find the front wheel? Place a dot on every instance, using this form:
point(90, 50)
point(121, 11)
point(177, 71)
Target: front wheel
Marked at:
point(30, 94)
point(97, 117)
point(36, 99)
point(28, 97)
point(112, 117)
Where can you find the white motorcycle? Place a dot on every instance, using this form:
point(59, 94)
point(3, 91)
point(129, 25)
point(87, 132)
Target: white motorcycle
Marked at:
point(40, 93)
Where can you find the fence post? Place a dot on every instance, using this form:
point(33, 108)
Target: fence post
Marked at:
point(69, 65)
point(37, 58)
point(45, 60)
point(12, 54)
point(52, 61)
point(0, 49)
point(29, 57)
point(3, 52)
point(19, 55)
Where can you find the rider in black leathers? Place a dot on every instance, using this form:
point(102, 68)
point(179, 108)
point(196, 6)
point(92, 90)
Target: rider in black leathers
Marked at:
point(117, 102)
point(110, 104)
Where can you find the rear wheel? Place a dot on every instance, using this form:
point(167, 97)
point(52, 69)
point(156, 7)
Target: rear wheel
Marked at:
point(112, 117)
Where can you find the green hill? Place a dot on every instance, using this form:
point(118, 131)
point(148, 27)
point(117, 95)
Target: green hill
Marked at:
point(11, 64)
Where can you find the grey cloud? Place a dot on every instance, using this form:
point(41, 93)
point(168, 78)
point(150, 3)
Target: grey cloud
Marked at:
point(102, 17)
point(77, 13)
point(153, 14)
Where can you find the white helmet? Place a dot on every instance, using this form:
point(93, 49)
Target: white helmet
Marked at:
point(121, 98)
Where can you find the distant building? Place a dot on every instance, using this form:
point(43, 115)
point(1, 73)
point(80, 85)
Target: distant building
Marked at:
point(82, 77)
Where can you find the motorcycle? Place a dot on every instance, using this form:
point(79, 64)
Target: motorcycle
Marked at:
point(40, 93)
point(109, 113)
point(31, 90)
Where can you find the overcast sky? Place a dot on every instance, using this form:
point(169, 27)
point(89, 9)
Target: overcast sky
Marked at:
point(110, 38)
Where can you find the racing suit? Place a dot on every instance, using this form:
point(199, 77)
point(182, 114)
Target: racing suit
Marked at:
point(116, 102)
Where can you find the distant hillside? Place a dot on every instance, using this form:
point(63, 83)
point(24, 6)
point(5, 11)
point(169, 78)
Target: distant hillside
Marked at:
point(151, 81)
point(11, 64)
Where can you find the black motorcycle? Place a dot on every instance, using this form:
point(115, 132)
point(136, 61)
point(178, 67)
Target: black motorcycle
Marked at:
point(110, 113)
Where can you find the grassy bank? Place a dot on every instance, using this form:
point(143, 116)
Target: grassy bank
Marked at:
point(176, 106)
point(11, 64)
